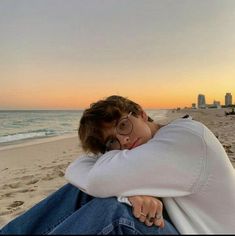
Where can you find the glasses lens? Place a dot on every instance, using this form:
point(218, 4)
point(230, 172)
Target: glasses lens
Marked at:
point(113, 144)
point(124, 127)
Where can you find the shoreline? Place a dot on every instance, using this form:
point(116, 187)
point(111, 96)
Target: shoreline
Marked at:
point(33, 141)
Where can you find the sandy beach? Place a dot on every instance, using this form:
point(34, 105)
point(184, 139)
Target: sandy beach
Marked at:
point(31, 171)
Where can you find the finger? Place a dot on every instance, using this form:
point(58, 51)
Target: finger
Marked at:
point(142, 217)
point(148, 223)
point(159, 220)
point(144, 212)
point(152, 211)
point(136, 208)
point(160, 223)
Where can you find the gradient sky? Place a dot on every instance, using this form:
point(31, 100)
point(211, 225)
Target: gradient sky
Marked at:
point(66, 54)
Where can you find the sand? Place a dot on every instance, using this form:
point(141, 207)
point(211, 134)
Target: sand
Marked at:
point(29, 172)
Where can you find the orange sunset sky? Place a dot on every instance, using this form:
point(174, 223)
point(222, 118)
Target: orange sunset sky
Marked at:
point(66, 54)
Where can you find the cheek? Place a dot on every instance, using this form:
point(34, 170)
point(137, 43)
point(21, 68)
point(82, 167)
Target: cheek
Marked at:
point(148, 133)
point(143, 131)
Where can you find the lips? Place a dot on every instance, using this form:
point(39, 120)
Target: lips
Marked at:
point(135, 144)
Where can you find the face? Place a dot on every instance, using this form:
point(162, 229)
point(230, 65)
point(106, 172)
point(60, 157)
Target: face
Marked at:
point(129, 132)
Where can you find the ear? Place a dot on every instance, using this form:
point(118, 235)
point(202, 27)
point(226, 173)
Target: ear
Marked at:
point(144, 115)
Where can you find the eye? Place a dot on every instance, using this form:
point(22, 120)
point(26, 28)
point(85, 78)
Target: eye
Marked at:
point(111, 141)
point(123, 125)
point(112, 144)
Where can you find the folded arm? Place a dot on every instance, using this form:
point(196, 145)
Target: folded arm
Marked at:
point(162, 167)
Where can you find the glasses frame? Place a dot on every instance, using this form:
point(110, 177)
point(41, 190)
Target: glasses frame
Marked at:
point(120, 133)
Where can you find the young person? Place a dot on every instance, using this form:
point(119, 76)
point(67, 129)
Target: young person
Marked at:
point(182, 162)
point(71, 211)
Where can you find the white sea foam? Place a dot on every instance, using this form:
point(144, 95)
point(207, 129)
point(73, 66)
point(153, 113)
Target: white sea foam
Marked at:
point(24, 125)
point(17, 137)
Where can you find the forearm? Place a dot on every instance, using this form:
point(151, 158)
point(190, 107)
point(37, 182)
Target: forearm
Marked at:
point(138, 172)
point(78, 171)
point(150, 169)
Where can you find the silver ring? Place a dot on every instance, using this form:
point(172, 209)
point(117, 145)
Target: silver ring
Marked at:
point(158, 216)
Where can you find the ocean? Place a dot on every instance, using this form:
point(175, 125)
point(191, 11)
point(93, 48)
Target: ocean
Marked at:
point(23, 125)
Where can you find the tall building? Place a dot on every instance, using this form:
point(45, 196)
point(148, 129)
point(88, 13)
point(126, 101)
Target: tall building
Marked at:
point(201, 101)
point(228, 99)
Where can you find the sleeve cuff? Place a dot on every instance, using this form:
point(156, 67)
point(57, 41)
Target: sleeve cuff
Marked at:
point(124, 200)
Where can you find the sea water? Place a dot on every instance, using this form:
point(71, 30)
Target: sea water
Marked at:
point(23, 125)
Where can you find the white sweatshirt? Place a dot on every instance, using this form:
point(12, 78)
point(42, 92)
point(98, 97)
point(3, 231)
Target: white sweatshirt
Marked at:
point(183, 163)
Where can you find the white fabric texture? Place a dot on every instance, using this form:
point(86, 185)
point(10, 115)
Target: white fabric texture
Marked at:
point(184, 164)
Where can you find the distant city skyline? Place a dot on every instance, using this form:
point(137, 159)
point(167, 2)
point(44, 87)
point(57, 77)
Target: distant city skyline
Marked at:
point(67, 54)
point(201, 101)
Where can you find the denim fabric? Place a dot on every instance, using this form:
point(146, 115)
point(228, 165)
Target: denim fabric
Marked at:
point(70, 211)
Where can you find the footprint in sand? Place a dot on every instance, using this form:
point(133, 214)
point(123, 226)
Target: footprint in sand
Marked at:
point(60, 173)
point(228, 148)
point(15, 204)
point(27, 177)
point(26, 190)
point(47, 167)
point(33, 181)
point(7, 195)
point(57, 172)
point(3, 213)
point(14, 192)
point(48, 177)
point(12, 185)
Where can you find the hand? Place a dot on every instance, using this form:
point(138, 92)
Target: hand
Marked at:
point(148, 210)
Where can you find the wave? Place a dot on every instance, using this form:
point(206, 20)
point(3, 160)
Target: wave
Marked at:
point(28, 135)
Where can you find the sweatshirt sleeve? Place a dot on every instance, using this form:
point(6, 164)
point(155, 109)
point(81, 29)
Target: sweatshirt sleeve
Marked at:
point(78, 171)
point(169, 165)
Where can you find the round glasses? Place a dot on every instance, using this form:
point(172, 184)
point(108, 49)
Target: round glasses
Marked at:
point(124, 127)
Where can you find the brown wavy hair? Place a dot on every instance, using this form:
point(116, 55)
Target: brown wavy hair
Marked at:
point(105, 111)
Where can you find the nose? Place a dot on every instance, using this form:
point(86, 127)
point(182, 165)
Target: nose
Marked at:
point(123, 139)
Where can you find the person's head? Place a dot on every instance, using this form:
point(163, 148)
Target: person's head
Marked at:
point(114, 123)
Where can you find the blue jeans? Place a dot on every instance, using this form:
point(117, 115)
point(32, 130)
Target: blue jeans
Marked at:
point(70, 211)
